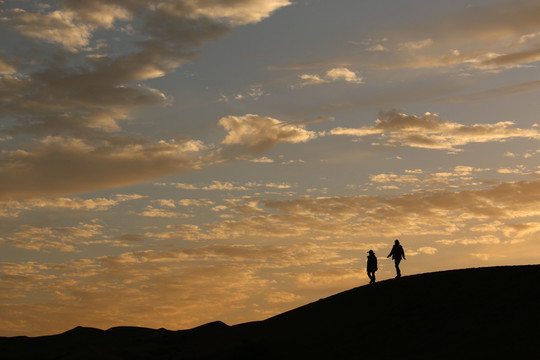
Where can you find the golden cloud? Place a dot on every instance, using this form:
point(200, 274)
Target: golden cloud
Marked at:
point(431, 132)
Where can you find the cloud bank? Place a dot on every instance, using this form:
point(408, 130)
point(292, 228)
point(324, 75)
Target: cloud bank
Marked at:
point(95, 58)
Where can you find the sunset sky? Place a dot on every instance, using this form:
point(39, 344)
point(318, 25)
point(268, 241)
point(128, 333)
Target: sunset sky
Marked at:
point(167, 163)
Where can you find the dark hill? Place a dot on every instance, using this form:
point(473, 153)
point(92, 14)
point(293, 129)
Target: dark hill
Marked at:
point(483, 313)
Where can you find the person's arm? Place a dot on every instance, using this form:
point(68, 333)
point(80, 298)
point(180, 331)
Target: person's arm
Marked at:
point(403, 252)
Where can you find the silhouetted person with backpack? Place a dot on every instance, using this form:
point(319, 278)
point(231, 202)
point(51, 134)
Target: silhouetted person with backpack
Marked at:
point(397, 254)
point(371, 266)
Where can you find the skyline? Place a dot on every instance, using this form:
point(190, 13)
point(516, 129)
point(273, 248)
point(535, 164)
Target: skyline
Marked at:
point(171, 163)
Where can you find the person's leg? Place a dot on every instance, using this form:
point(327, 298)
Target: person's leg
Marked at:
point(398, 271)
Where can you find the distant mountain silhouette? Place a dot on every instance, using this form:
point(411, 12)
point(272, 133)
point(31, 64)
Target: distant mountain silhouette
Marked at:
point(481, 313)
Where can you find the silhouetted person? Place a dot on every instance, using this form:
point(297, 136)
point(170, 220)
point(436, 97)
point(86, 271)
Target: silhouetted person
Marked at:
point(371, 266)
point(397, 254)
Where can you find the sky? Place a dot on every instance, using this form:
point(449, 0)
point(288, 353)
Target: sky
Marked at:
point(167, 163)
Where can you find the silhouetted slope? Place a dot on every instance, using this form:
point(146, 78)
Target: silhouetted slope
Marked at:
point(462, 314)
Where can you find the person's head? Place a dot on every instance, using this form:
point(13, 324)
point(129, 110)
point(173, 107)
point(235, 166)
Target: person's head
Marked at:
point(371, 252)
point(396, 242)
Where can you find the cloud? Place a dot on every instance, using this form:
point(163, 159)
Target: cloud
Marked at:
point(151, 211)
point(282, 297)
point(483, 240)
point(431, 132)
point(86, 100)
point(515, 59)
point(362, 131)
point(494, 36)
point(416, 45)
point(327, 279)
point(311, 121)
point(99, 14)
point(214, 185)
point(429, 250)
point(254, 92)
point(501, 91)
point(58, 165)
point(437, 212)
point(377, 48)
point(217, 185)
point(225, 278)
point(332, 75)
point(278, 185)
point(519, 230)
point(6, 68)
point(308, 79)
point(385, 178)
point(53, 27)
point(234, 13)
point(343, 74)
point(195, 202)
point(96, 87)
point(247, 275)
point(492, 22)
point(64, 239)
point(261, 132)
point(263, 159)
point(14, 208)
point(451, 58)
point(61, 166)
point(313, 64)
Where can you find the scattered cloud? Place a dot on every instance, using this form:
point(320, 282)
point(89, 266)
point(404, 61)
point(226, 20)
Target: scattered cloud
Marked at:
point(64, 239)
point(501, 91)
point(195, 202)
point(332, 75)
point(261, 132)
point(76, 291)
point(416, 45)
point(478, 38)
point(151, 211)
point(377, 48)
point(217, 185)
point(255, 92)
point(431, 132)
point(77, 120)
point(58, 165)
point(263, 159)
point(14, 208)
point(96, 88)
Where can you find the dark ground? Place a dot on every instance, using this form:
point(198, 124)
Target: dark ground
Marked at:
point(483, 313)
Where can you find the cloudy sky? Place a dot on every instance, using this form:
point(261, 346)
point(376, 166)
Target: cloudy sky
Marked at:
point(167, 163)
